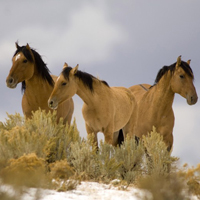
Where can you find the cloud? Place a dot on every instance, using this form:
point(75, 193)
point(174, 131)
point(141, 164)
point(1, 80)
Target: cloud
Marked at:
point(7, 50)
point(186, 134)
point(91, 35)
point(87, 37)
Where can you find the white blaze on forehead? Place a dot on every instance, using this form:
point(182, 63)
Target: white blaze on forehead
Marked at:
point(17, 56)
point(57, 78)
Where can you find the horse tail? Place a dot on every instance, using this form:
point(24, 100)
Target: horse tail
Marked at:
point(120, 139)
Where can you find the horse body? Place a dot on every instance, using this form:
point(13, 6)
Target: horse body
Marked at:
point(106, 116)
point(37, 87)
point(155, 109)
point(106, 109)
point(154, 106)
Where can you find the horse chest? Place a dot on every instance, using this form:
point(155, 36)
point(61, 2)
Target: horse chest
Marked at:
point(95, 118)
point(32, 102)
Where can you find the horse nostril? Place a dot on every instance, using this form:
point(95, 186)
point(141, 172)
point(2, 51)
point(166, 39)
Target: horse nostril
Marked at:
point(11, 80)
point(193, 99)
point(51, 103)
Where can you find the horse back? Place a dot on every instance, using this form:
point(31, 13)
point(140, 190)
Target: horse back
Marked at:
point(139, 90)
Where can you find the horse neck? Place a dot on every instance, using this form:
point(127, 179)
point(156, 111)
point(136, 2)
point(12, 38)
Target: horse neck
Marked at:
point(37, 87)
point(163, 96)
point(90, 98)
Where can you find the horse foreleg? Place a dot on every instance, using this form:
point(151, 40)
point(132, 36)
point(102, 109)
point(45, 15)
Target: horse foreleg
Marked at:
point(108, 134)
point(128, 130)
point(115, 138)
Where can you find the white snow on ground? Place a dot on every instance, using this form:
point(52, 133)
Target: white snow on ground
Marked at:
point(84, 191)
point(88, 190)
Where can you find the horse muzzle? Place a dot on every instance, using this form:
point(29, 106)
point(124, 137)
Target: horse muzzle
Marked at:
point(52, 104)
point(11, 82)
point(192, 99)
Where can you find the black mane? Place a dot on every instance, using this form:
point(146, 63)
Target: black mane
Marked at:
point(39, 63)
point(165, 69)
point(86, 78)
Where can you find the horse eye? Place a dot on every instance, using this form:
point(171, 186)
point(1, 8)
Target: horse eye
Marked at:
point(64, 83)
point(181, 76)
point(25, 61)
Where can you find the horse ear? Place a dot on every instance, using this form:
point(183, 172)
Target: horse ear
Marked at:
point(178, 61)
point(65, 65)
point(188, 62)
point(28, 47)
point(75, 69)
point(17, 46)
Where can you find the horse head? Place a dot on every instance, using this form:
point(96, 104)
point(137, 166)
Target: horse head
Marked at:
point(182, 81)
point(22, 66)
point(64, 88)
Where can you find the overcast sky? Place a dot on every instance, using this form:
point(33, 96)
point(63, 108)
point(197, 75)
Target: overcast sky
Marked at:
point(122, 42)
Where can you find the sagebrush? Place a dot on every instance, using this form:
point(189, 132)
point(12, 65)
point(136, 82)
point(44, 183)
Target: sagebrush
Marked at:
point(41, 150)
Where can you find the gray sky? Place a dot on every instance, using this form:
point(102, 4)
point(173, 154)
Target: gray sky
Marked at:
point(122, 42)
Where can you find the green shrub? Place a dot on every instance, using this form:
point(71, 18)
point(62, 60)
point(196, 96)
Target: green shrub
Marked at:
point(40, 135)
point(12, 121)
point(160, 177)
point(108, 164)
point(28, 170)
point(158, 159)
point(58, 147)
point(192, 177)
point(85, 160)
point(170, 186)
point(41, 147)
point(131, 155)
point(61, 170)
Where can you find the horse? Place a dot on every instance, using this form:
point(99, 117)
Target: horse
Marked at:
point(37, 83)
point(154, 103)
point(106, 109)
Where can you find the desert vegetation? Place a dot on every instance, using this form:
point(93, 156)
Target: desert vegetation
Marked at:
point(40, 153)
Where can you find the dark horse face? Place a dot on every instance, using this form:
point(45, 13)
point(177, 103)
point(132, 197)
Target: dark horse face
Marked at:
point(182, 82)
point(22, 68)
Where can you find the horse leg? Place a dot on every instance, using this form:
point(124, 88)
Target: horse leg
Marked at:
point(115, 138)
point(108, 134)
point(118, 138)
point(128, 130)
